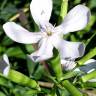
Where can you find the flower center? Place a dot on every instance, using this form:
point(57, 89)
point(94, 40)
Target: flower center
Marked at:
point(47, 28)
point(49, 33)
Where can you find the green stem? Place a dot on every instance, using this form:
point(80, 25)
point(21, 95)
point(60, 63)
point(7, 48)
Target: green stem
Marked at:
point(89, 55)
point(63, 12)
point(90, 84)
point(56, 65)
point(72, 89)
point(90, 39)
point(22, 79)
point(89, 76)
point(69, 75)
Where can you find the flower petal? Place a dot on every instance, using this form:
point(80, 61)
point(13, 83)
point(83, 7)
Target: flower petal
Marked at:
point(89, 66)
point(75, 20)
point(4, 65)
point(41, 10)
point(6, 70)
point(44, 52)
point(56, 39)
point(68, 65)
point(19, 34)
point(71, 50)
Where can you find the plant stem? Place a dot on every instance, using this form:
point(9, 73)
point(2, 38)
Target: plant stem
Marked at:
point(72, 89)
point(17, 15)
point(90, 84)
point(56, 65)
point(89, 76)
point(69, 75)
point(63, 12)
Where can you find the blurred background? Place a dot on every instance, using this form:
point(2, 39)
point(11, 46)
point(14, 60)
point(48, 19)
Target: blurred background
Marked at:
point(19, 12)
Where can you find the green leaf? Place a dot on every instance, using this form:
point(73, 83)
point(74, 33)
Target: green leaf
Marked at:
point(31, 66)
point(92, 3)
point(8, 9)
point(39, 72)
point(2, 94)
point(6, 41)
point(5, 82)
point(16, 52)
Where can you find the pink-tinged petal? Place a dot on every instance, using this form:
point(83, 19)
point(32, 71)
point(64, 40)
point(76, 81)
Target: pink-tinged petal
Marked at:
point(75, 20)
point(44, 52)
point(71, 50)
point(41, 10)
point(21, 35)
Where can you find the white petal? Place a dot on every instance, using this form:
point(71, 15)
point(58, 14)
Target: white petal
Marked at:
point(5, 58)
point(77, 70)
point(41, 10)
point(19, 34)
point(44, 52)
point(71, 50)
point(75, 20)
point(56, 39)
point(92, 80)
point(90, 61)
point(68, 65)
point(6, 70)
point(89, 66)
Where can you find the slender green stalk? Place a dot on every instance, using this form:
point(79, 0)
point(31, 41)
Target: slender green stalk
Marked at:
point(89, 55)
point(55, 61)
point(89, 76)
point(56, 65)
point(90, 39)
point(69, 75)
point(90, 84)
point(63, 12)
point(72, 89)
point(17, 15)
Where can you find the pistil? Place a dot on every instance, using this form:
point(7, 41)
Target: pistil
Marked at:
point(49, 33)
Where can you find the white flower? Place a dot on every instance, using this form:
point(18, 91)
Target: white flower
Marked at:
point(4, 65)
point(50, 36)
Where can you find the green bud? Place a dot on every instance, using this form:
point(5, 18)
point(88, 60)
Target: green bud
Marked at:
point(22, 79)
